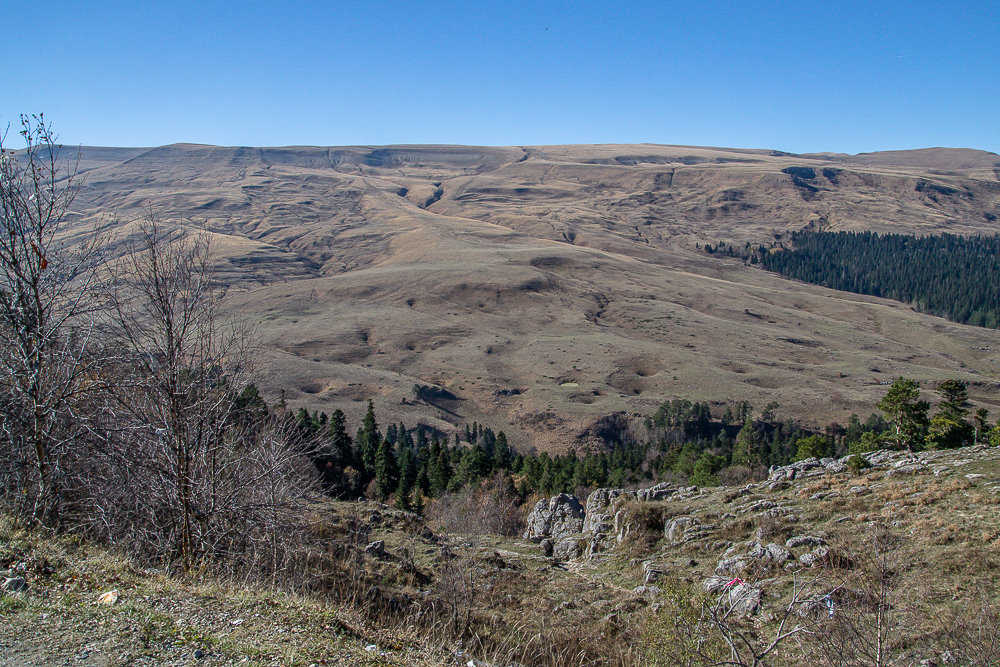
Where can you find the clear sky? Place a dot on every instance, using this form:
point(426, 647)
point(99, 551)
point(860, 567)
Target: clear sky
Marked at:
point(795, 76)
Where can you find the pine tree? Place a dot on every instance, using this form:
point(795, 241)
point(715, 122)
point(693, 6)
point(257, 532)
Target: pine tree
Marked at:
point(903, 407)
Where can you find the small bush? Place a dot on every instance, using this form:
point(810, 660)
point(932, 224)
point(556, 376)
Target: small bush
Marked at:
point(857, 463)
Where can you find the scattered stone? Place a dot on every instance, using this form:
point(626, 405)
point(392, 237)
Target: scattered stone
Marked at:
point(835, 466)
point(376, 549)
point(653, 572)
point(15, 585)
point(678, 527)
point(714, 584)
point(804, 541)
point(777, 553)
point(643, 590)
point(375, 517)
point(109, 598)
point(744, 599)
point(735, 565)
point(755, 506)
point(908, 469)
point(771, 553)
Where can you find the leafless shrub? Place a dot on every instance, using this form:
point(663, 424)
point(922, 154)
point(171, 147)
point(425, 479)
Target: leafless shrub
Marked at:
point(872, 605)
point(751, 644)
point(491, 508)
point(193, 474)
point(971, 633)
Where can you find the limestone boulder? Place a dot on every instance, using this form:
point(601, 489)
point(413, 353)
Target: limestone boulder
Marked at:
point(557, 517)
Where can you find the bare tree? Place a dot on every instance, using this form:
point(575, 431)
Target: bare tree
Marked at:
point(216, 484)
point(46, 298)
point(871, 607)
point(750, 644)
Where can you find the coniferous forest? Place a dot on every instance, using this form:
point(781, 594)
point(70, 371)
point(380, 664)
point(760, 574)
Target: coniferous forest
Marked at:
point(950, 276)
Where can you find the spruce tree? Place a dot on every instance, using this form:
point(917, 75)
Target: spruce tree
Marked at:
point(386, 471)
point(403, 496)
point(746, 451)
point(407, 468)
point(340, 442)
point(948, 428)
point(369, 440)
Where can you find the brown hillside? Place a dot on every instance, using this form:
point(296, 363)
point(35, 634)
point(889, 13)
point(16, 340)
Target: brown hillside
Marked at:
point(548, 286)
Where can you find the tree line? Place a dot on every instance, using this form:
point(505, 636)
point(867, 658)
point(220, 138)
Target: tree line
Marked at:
point(951, 276)
point(680, 442)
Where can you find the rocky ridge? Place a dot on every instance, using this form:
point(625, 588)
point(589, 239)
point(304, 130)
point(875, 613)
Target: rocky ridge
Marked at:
point(595, 529)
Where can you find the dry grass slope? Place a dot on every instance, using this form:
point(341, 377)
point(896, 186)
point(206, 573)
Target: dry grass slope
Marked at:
point(572, 274)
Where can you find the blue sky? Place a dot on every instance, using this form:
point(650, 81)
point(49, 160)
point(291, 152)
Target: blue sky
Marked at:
point(794, 76)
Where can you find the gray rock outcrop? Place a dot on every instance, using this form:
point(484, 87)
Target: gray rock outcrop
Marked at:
point(567, 548)
point(601, 507)
point(661, 491)
point(558, 517)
